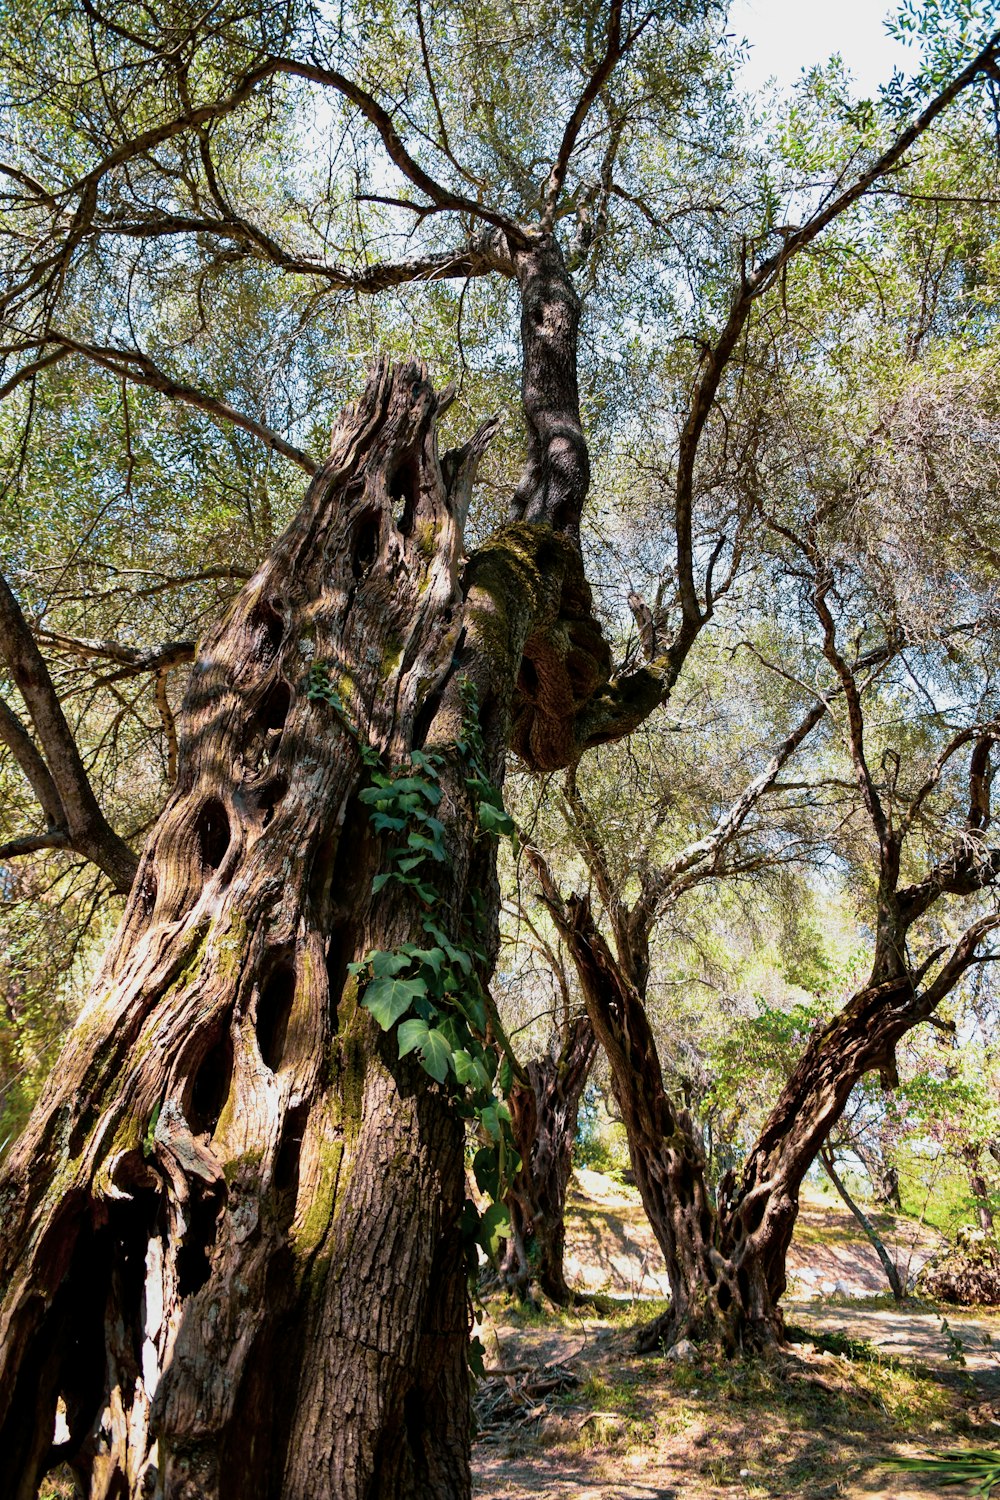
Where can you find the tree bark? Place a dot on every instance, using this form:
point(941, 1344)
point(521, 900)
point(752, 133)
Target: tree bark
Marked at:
point(544, 1116)
point(726, 1258)
point(230, 1171)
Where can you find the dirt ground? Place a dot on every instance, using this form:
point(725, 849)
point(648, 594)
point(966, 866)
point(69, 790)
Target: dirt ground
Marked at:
point(578, 1416)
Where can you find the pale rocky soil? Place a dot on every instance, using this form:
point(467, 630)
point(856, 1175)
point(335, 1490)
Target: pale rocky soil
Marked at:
point(818, 1426)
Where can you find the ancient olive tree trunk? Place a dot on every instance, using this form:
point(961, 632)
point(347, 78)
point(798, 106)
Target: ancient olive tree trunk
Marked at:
point(231, 1249)
point(544, 1115)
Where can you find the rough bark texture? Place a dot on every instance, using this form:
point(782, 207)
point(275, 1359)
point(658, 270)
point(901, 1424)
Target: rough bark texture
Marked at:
point(230, 1174)
point(544, 1116)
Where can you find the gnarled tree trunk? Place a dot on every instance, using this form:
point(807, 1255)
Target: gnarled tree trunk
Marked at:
point(236, 1214)
point(231, 1239)
point(544, 1116)
point(726, 1259)
point(231, 1231)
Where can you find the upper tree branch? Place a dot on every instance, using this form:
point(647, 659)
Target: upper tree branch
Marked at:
point(628, 700)
point(138, 368)
point(613, 51)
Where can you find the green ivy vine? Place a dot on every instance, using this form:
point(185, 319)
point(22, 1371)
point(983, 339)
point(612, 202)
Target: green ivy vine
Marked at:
point(431, 993)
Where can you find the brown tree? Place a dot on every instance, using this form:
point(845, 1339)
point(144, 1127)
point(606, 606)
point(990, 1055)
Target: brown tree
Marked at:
point(725, 1253)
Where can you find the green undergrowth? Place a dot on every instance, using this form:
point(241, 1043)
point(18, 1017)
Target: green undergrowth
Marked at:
point(810, 1423)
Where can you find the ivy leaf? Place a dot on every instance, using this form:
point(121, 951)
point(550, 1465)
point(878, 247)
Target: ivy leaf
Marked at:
point(435, 1055)
point(433, 958)
point(473, 1009)
point(465, 1067)
point(506, 1075)
point(477, 1357)
point(390, 998)
point(411, 1034)
point(495, 820)
point(494, 1227)
point(486, 1170)
point(383, 823)
point(387, 963)
point(491, 1121)
point(430, 846)
point(419, 786)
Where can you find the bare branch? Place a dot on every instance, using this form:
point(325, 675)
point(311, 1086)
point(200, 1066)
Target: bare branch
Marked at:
point(88, 829)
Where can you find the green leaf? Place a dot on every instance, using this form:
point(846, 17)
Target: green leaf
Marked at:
point(494, 1227)
point(506, 1075)
point(418, 785)
point(411, 1034)
point(387, 963)
point(491, 1121)
point(433, 958)
point(495, 820)
point(430, 846)
point(435, 1055)
point(390, 998)
point(477, 1357)
point(383, 823)
point(486, 1170)
point(465, 1067)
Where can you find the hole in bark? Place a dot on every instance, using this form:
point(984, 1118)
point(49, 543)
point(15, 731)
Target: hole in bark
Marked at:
point(706, 1226)
point(403, 494)
point(210, 1088)
point(269, 796)
point(193, 1263)
point(266, 629)
point(286, 1167)
point(415, 1420)
point(274, 710)
point(274, 1006)
point(424, 719)
point(147, 892)
point(212, 830)
point(724, 1297)
point(538, 314)
point(266, 726)
point(364, 546)
point(753, 1216)
point(743, 1282)
point(527, 678)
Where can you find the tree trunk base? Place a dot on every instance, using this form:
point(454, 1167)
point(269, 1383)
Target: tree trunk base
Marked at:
point(716, 1335)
